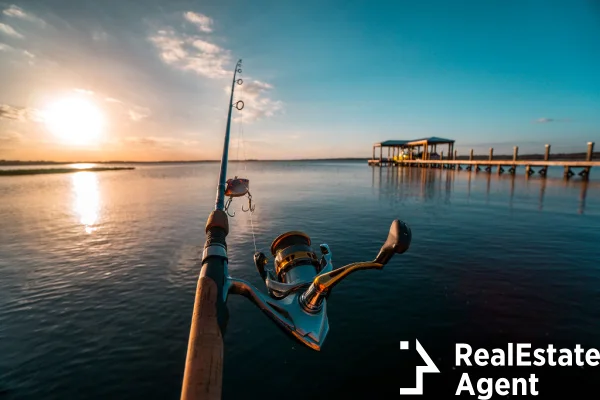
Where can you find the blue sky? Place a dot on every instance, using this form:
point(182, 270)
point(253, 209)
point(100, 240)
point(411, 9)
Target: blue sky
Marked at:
point(321, 78)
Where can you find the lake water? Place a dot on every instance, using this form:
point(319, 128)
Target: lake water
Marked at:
point(98, 274)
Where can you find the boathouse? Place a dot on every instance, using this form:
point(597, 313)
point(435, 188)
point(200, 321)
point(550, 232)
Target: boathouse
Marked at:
point(424, 149)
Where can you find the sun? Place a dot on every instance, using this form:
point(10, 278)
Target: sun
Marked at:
point(75, 120)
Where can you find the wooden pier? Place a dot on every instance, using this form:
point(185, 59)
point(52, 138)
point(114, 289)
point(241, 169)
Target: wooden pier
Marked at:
point(571, 167)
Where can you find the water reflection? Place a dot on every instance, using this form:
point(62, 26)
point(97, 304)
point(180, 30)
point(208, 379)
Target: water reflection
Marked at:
point(582, 196)
point(87, 199)
point(82, 165)
point(542, 192)
point(430, 184)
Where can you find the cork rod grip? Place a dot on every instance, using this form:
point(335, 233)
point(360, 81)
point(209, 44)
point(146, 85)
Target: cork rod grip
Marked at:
point(204, 363)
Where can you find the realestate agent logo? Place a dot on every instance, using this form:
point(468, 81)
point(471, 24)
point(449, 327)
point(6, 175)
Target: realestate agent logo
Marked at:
point(421, 369)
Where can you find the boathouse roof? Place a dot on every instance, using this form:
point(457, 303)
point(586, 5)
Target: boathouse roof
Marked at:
point(432, 140)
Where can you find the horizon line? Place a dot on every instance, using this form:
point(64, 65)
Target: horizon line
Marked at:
point(6, 161)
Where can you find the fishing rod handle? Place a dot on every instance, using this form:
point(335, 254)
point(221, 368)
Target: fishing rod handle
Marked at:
point(203, 374)
point(204, 362)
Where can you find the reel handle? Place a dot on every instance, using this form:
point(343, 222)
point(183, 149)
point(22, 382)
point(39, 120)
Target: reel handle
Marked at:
point(397, 242)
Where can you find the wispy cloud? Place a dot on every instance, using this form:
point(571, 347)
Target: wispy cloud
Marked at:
point(17, 12)
point(203, 57)
point(84, 91)
point(9, 49)
point(549, 120)
point(138, 113)
point(16, 113)
point(12, 112)
point(99, 36)
point(5, 47)
point(545, 120)
point(202, 22)
point(257, 102)
point(191, 53)
point(113, 100)
point(134, 112)
point(10, 31)
point(159, 142)
point(9, 139)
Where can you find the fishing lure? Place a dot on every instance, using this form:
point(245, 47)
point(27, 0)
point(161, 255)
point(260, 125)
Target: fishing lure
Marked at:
point(238, 187)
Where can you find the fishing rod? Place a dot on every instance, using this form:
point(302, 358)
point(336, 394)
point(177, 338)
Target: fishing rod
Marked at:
point(298, 284)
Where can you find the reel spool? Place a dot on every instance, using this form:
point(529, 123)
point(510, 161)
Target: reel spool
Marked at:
point(294, 258)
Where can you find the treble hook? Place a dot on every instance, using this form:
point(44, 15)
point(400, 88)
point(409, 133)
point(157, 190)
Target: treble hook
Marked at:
point(250, 206)
point(229, 200)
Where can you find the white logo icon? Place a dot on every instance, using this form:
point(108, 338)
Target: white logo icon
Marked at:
point(430, 367)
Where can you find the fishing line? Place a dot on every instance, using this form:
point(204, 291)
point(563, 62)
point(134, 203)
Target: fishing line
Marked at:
point(241, 131)
point(240, 137)
point(241, 142)
point(252, 229)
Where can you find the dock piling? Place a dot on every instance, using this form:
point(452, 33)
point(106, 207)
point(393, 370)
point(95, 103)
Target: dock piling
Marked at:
point(590, 151)
point(568, 173)
point(585, 173)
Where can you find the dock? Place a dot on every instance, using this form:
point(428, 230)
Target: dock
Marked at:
point(403, 155)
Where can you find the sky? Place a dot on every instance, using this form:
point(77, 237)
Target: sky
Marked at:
point(149, 80)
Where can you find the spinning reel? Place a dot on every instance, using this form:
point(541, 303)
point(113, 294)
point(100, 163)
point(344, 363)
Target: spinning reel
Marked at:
point(299, 281)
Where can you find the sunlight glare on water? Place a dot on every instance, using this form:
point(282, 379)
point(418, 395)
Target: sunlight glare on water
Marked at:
point(87, 199)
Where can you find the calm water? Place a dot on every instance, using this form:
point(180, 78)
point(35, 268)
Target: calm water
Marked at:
point(98, 274)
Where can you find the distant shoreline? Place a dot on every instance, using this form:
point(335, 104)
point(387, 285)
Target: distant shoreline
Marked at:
point(20, 172)
point(557, 156)
point(11, 163)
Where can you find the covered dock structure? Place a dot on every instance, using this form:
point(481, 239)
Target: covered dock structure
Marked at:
point(415, 149)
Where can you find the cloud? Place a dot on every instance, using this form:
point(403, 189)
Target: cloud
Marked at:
point(9, 30)
point(13, 113)
point(191, 53)
point(138, 113)
point(548, 120)
point(203, 57)
point(9, 49)
point(159, 142)
point(17, 12)
point(99, 36)
point(134, 112)
point(9, 139)
point(5, 47)
point(20, 113)
point(84, 91)
point(257, 103)
point(206, 47)
point(202, 22)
